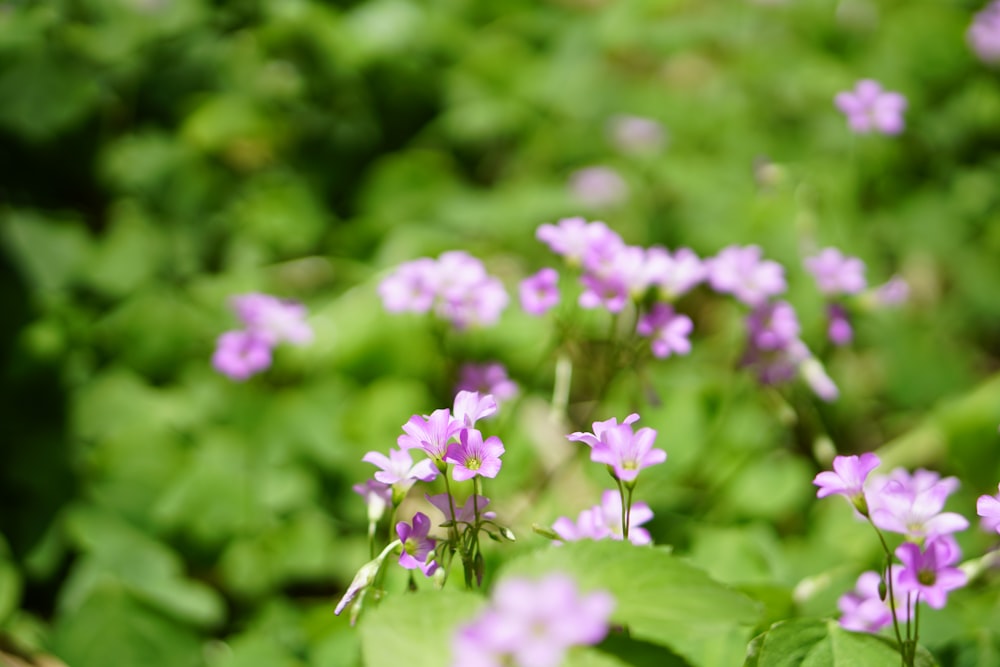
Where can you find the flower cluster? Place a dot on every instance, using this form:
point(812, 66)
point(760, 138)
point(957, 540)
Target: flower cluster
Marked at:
point(532, 623)
point(487, 378)
point(869, 108)
point(911, 505)
point(984, 33)
point(455, 287)
point(625, 453)
point(267, 321)
point(448, 439)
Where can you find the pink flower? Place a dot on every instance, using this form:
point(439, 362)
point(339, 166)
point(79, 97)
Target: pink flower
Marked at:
point(863, 609)
point(634, 134)
point(398, 469)
point(848, 479)
point(870, 109)
point(836, 273)
point(417, 545)
point(742, 272)
point(625, 452)
point(430, 433)
point(988, 507)
point(540, 292)
point(276, 320)
point(488, 378)
point(604, 521)
point(240, 354)
point(983, 34)
point(471, 406)
point(572, 238)
point(668, 329)
point(598, 186)
point(928, 571)
point(473, 456)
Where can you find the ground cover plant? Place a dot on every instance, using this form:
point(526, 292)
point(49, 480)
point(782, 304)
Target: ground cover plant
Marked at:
point(439, 333)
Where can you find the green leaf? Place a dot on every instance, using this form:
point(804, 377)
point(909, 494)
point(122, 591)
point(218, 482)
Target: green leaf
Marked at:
point(10, 583)
point(112, 628)
point(823, 643)
point(50, 253)
point(415, 629)
point(660, 598)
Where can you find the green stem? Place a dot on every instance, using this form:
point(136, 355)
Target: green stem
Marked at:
point(892, 596)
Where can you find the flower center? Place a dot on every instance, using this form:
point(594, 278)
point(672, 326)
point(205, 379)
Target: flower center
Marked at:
point(926, 577)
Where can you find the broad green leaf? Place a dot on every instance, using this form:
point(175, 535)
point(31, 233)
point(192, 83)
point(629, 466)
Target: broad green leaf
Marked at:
point(112, 628)
point(415, 629)
point(50, 253)
point(659, 597)
point(823, 643)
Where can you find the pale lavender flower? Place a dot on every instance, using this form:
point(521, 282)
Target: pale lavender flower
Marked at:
point(572, 238)
point(668, 329)
point(915, 511)
point(610, 292)
point(983, 34)
point(377, 495)
point(836, 273)
point(773, 326)
point(741, 271)
point(891, 293)
point(487, 378)
point(863, 610)
point(240, 354)
point(277, 320)
point(540, 292)
point(839, 329)
point(471, 406)
point(600, 428)
point(474, 456)
point(411, 287)
point(598, 186)
point(848, 479)
point(431, 433)
point(625, 452)
point(869, 108)
point(635, 134)
point(604, 521)
point(398, 469)
point(417, 545)
point(927, 571)
point(674, 274)
point(532, 623)
point(988, 507)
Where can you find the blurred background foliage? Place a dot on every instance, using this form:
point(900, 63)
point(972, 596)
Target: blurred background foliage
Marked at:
point(158, 156)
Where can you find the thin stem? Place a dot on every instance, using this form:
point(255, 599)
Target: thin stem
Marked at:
point(621, 494)
point(888, 579)
point(628, 512)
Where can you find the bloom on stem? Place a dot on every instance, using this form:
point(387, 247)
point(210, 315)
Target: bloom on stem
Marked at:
point(417, 546)
point(240, 354)
point(471, 406)
point(912, 506)
point(540, 292)
point(625, 452)
point(399, 471)
point(669, 330)
point(430, 433)
point(848, 479)
point(836, 273)
point(604, 521)
point(928, 571)
point(377, 495)
point(742, 272)
point(988, 507)
point(473, 456)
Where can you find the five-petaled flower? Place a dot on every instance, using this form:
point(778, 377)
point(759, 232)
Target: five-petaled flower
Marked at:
point(417, 545)
point(624, 452)
point(474, 456)
point(848, 479)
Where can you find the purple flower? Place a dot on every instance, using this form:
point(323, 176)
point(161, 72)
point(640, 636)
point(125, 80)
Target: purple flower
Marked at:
point(625, 452)
point(600, 428)
point(891, 293)
point(773, 326)
point(863, 609)
point(573, 238)
point(740, 271)
point(913, 506)
point(532, 623)
point(489, 378)
point(611, 292)
point(674, 274)
point(398, 469)
point(634, 134)
point(870, 109)
point(411, 287)
point(604, 521)
point(465, 513)
point(540, 292)
point(848, 479)
point(598, 186)
point(240, 354)
point(471, 406)
point(928, 572)
point(836, 273)
point(430, 433)
point(417, 546)
point(983, 34)
point(839, 329)
point(277, 320)
point(456, 287)
point(377, 496)
point(669, 330)
point(473, 456)
point(988, 507)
